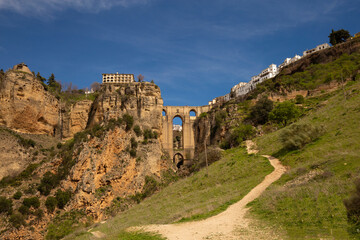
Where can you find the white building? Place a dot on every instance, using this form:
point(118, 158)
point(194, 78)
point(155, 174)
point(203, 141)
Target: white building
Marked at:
point(267, 73)
point(177, 127)
point(117, 78)
point(318, 48)
point(287, 61)
point(243, 88)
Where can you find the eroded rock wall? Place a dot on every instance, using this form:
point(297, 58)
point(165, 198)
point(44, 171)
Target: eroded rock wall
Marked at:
point(105, 170)
point(141, 100)
point(25, 106)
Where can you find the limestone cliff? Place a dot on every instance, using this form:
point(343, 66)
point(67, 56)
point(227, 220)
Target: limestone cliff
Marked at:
point(141, 100)
point(74, 118)
point(105, 170)
point(24, 104)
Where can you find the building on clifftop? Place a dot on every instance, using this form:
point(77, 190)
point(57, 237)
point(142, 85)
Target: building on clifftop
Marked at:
point(117, 78)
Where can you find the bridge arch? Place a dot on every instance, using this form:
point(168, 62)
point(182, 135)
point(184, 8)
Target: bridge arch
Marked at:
point(178, 159)
point(184, 112)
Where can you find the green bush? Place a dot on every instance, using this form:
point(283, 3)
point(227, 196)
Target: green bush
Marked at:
point(298, 135)
point(238, 135)
point(62, 198)
point(134, 143)
point(259, 113)
point(203, 115)
point(34, 202)
point(17, 195)
point(148, 134)
point(284, 113)
point(48, 182)
point(137, 130)
point(129, 121)
point(352, 206)
point(299, 99)
point(5, 205)
point(51, 203)
point(24, 210)
point(151, 186)
point(132, 152)
point(17, 220)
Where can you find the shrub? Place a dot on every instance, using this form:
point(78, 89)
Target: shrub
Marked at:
point(148, 134)
point(352, 206)
point(48, 182)
point(132, 152)
point(39, 213)
point(203, 115)
point(16, 220)
point(299, 99)
point(151, 185)
point(34, 202)
point(59, 145)
point(129, 121)
point(5, 205)
point(134, 143)
point(62, 198)
point(238, 134)
point(259, 113)
point(24, 210)
point(284, 113)
point(137, 130)
point(51, 203)
point(17, 195)
point(298, 135)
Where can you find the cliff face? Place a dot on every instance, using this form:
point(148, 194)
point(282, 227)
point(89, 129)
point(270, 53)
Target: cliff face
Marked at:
point(107, 163)
point(141, 100)
point(106, 170)
point(75, 118)
point(24, 104)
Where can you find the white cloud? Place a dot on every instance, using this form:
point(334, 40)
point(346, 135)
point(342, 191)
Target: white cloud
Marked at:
point(46, 7)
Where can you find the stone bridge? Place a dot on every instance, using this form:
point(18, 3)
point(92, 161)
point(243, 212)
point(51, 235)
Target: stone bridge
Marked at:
point(188, 140)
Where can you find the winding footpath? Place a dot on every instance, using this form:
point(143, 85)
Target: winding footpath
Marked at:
point(230, 224)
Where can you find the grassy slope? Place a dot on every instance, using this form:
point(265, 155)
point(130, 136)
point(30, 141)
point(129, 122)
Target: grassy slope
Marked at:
point(229, 179)
point(315, 208)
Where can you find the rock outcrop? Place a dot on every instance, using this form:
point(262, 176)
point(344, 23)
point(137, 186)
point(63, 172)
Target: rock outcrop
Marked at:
point(141, 100)
point(105, 170)
point(24, 104)
point(75, 118)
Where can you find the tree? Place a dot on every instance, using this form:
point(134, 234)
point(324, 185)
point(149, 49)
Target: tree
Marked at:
point(51, 80)
point(40, 78)
point(339, 36)
point(284, 113)
point(95, 86)
point(259, 113)
point(140, 78)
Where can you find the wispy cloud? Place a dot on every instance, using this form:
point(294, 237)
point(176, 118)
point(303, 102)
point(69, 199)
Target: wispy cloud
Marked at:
point(46, 7)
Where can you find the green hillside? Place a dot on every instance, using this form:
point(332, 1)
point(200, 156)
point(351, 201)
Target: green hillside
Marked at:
point(322, 173)
point(198, 196)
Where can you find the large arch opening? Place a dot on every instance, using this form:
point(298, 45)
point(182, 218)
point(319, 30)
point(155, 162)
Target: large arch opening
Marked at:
point(178, 140)
point(178, 159)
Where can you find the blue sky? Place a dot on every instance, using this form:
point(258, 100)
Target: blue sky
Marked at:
point(195, 50)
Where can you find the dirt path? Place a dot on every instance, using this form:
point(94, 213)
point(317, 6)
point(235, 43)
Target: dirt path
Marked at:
point(230, 224)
